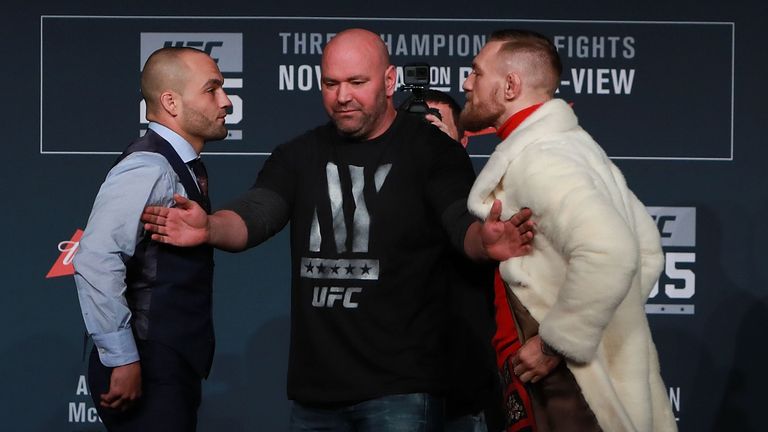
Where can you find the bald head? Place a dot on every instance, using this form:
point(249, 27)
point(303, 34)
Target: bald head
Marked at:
point(363, 44)
point(358, 83)
point(184, 91)
point(166, 69)
point(532, 56)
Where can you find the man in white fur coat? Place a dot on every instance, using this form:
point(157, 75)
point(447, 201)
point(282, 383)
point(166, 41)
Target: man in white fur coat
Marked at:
point(579, 297)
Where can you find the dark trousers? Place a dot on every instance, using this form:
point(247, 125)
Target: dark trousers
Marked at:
point(170, 392)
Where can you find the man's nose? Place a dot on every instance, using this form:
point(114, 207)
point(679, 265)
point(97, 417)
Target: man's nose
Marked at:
point(226, 103)
point(344, 94)
point(467, 86)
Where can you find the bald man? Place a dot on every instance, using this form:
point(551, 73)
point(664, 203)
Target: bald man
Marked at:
point(375, 199)
point(147, 306)
point(578, 299)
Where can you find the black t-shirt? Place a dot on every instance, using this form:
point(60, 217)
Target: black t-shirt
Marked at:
point(370, 224)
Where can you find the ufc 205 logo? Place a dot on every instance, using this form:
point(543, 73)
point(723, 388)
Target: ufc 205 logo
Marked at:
point(226, 49)
point(205, 46)
point(677, 282)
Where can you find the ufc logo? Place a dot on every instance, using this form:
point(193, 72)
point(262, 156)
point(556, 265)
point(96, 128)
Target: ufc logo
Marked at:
point(201, 45)
point(329, 296)
point(677, 225)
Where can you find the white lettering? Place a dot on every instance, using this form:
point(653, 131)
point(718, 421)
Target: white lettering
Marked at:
point(595, 46)
point(328, 296)
point(286, 77)
point(582, 47)
point(598, 47)
point(237, 110)
point(419, 45)
point(93, 415)
point(686, 275)
point(439, 42)
point(348, 303)
point(688, 289)
point(304, 43)
point(602, 81)
point(79, 413)
point(402, 46)
point(577, 76)
point(70, 248)
point(305, 78)
point(629, 47)
point(674, 398)
point(315, 39)
point(82, 387)
point(424, 45)
point(284, 37)
point(622, 82)
point(440, 75)
point(300, 43)
point(336, 293)
point(462, 45)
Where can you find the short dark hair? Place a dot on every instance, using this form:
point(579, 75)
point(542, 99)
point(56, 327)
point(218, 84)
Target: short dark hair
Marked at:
point(516, 40)
point(436, 96)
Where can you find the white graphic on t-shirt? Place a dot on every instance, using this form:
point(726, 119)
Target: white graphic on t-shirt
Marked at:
point(343, 269)
point(327, 296)
point(361, 219)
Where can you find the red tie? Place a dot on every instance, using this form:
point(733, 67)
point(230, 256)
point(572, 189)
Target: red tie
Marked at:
point(201, 174)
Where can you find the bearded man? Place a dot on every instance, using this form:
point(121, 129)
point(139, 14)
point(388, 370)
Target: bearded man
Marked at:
point(578, 298)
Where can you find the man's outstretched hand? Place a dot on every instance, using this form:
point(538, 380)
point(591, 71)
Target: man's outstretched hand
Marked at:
point(502, 240)
point(183, 225)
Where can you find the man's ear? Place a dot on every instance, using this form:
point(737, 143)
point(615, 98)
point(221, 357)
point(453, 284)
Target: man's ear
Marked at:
point(390, 80)
point(169, 102)
point(513, 86)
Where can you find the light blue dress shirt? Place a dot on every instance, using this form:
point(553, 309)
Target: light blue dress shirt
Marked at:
point(113, 231)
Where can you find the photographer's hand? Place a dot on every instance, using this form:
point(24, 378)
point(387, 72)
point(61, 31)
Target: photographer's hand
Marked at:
point(439, 123)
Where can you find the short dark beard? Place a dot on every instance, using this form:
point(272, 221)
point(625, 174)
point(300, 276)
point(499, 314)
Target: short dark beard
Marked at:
point(470, 121)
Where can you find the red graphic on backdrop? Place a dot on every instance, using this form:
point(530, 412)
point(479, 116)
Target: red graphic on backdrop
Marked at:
point(63, 265)
point(486, 131)
point(467, 134)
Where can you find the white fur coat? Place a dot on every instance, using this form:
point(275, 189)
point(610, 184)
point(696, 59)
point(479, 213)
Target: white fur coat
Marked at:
point(597, 255)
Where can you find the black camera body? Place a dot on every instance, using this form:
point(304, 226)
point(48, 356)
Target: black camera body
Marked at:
point(416, 81)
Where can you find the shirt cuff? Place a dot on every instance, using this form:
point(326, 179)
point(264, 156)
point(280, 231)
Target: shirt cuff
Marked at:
point(116, 348)
point(456, 219)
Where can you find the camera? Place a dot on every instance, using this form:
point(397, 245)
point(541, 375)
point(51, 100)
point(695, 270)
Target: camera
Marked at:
point(416, 81)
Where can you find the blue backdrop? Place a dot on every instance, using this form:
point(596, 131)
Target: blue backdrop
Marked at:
point(673, 91)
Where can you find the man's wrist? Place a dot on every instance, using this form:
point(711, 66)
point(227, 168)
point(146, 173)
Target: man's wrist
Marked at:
point(548, 350)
